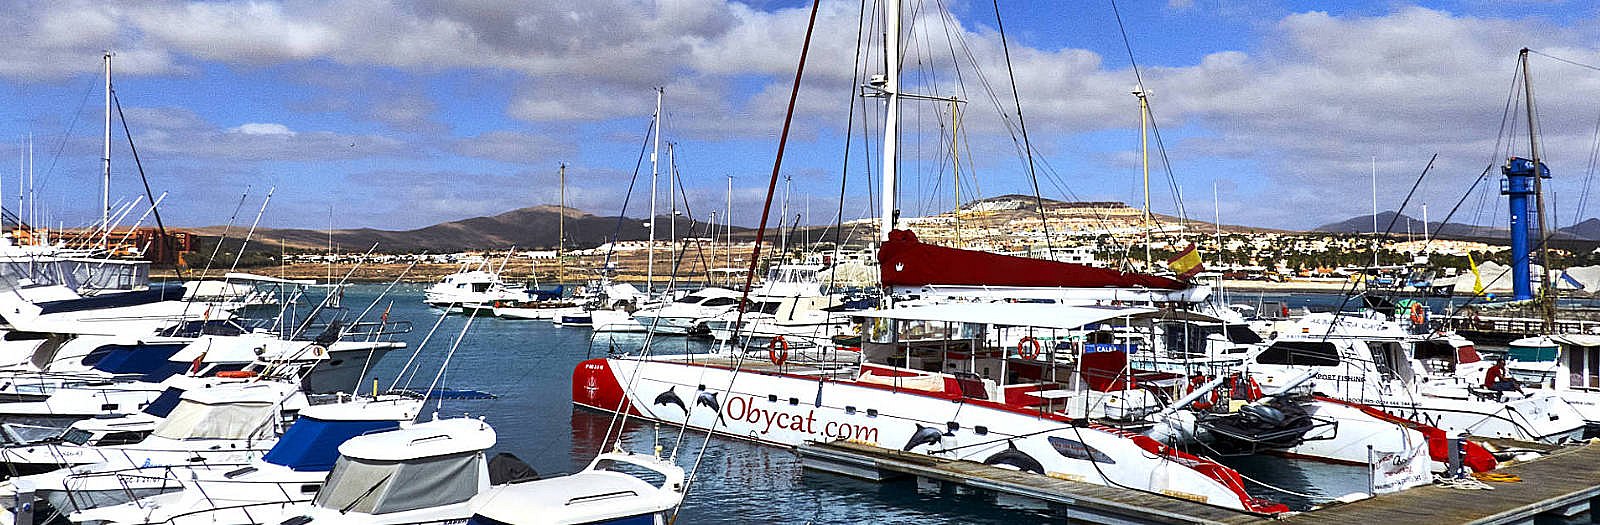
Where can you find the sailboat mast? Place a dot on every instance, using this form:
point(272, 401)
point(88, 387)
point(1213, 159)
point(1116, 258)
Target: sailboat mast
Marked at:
point(728, 218)
point(655, 151)
point(672, 193)
point(1538, 195)
point(561, 211)
point(891, 123)
point(105, 157)
point(1144, 164)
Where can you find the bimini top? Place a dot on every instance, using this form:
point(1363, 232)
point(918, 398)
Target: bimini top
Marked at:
point(1043, 315)
point(434, 438)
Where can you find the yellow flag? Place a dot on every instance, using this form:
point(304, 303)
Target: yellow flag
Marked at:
point(1477, 280)
point(1186, 263)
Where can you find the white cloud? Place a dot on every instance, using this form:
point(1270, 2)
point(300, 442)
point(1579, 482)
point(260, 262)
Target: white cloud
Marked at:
point(1308, 103)
point(260, 128)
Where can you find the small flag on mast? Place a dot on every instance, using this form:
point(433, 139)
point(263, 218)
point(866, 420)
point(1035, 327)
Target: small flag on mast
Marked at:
point(1187, 262)
point(1477, 280)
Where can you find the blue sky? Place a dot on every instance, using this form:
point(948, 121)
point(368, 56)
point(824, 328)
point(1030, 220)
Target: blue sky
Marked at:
point(398, 115)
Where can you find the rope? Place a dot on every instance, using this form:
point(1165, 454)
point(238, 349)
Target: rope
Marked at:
point(772, 184)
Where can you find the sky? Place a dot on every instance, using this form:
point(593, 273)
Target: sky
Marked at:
point(402, 114)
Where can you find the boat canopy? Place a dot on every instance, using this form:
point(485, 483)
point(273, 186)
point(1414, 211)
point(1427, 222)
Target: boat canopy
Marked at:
point(430, 464)
point(236, 420)
point(245, 412)
point(381, 487)
point(905, 261)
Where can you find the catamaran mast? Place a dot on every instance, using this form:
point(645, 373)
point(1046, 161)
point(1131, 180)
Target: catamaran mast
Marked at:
point(1546, 302)
point(105, 157)
point(655, 151)
point(891, 122)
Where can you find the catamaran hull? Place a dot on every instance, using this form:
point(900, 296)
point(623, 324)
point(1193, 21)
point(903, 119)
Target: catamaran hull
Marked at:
point(787, 410)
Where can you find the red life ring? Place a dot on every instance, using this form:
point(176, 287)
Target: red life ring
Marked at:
point(778, 350)
point(1028, 348)
point(1205, 402)
point(236, 373)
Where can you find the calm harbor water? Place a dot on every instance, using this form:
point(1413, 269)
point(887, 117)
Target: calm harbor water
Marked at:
point(529, 365)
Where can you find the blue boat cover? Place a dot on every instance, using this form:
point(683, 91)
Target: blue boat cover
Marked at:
point(112, 300)
point(312, 444)
point(449, 393)
point(164, 403)
point(150, 361)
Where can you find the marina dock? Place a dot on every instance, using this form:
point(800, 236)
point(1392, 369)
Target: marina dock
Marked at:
point(1555, 489)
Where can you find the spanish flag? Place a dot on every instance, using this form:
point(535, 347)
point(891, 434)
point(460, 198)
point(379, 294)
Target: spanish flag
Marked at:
point(1186, 263)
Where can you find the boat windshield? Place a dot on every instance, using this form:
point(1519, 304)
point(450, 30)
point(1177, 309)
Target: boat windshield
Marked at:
point(382, 487)
point(195, 420)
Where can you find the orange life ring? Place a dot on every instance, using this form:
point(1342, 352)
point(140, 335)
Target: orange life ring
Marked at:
point(778, 350)
point(236, 373)
point(1028, 347)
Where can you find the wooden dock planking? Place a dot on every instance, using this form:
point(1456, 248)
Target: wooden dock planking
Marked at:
point(1559, 484)
point(1570, 476)
point(1082, 501)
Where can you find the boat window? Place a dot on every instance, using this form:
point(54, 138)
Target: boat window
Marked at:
point(1531, 354)
point(691, 298)
point(120, 438)
point(1242, 334)
point(720, 301)
point(1584, 367)
point(195, 420)
point(768, 307)
point(76, 436)
point(382, 487)
point(654, 478)
point(1310, 353)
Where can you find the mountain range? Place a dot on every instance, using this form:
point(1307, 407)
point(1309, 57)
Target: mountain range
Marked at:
point(536, 228)
point(524, 228)
point(1588, 230)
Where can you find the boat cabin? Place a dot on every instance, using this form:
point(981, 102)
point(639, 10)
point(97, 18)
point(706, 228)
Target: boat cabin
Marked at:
point(1559, 362)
